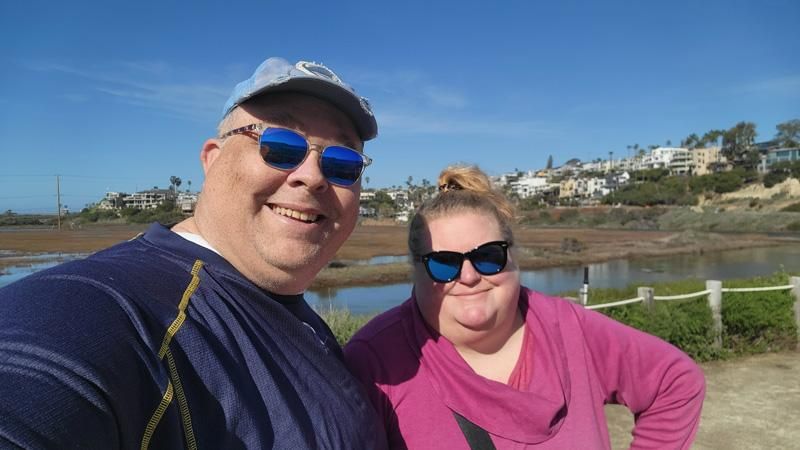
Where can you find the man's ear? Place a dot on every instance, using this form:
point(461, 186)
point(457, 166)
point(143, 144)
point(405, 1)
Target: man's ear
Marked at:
point(211, 150)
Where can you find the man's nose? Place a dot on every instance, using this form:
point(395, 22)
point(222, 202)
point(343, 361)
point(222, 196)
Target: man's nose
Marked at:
point(309, 173)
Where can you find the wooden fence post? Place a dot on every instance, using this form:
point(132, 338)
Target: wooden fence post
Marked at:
point(796, 292)
point(715, 303)
point(648, 294)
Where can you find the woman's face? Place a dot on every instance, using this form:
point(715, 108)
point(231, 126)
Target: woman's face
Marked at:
point(472, 302)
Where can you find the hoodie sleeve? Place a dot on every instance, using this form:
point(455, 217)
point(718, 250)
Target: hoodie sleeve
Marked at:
point(659, 384)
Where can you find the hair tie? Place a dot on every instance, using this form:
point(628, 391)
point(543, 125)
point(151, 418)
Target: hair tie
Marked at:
point(449, 187)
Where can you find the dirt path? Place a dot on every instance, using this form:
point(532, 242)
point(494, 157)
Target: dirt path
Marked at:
point(751, 403)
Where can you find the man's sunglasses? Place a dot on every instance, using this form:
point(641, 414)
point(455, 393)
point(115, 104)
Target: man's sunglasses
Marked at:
point(286, 150)
point(487, 259)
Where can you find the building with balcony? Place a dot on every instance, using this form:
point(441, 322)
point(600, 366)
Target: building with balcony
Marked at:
point(149, 199)
point(706, 160)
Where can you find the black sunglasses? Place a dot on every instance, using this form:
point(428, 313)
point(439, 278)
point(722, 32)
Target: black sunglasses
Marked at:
point(286, 150)
point(487, 259)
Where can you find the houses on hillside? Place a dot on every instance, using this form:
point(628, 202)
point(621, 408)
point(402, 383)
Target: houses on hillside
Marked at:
point(149, 199)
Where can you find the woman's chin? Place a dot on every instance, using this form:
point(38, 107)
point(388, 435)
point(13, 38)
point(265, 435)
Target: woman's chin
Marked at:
point(475, 321)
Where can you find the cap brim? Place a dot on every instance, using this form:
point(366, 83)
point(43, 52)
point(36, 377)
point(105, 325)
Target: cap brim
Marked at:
point(346, 101)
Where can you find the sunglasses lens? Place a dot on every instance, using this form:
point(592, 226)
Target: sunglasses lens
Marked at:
point(489, 259)
point(341, 165)
point(444, 266)
point(283, 149)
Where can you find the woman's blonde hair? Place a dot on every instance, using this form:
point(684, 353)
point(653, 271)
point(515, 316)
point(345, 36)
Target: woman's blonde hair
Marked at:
point(462, 188)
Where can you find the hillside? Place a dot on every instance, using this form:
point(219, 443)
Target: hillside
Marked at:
point(755, 196)
point(753, 209)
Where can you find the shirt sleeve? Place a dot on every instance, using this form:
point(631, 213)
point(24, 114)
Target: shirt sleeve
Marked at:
point(660, 384)
point(68, 360)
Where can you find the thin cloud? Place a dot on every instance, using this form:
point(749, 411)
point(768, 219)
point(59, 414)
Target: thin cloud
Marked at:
point(780, 86)
point(150, 85)
point(445, 98)
point(412, 86)
point(413, 123)
point(411, 104)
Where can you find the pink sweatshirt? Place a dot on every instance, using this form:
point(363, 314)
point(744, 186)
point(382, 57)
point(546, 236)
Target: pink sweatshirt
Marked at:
point(575, 361)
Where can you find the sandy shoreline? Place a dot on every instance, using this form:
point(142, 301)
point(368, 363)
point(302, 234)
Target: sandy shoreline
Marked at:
point(535, 247)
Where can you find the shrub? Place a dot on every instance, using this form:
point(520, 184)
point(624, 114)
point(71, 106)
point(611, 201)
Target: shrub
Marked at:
point(773, 178)
point(344, 324)
point(753, 322)
point(757, 322)
point(794, 207)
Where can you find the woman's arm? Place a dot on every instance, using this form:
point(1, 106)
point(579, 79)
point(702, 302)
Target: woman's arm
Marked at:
point(660, 384)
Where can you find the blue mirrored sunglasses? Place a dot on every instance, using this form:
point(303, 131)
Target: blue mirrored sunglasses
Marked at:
point(286, 150)
point(487, 259)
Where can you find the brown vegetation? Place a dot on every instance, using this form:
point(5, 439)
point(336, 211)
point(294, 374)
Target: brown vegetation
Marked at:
point(535, 247)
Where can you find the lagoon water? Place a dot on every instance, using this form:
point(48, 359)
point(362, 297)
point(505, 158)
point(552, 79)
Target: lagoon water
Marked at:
point(612, 274)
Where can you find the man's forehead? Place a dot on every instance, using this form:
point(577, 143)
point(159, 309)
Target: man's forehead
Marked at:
point(298, 115)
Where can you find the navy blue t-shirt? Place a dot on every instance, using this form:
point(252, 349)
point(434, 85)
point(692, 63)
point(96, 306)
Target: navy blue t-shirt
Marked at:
point(161, 343)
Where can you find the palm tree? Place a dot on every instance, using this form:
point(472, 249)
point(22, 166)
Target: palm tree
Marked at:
point(174, 183)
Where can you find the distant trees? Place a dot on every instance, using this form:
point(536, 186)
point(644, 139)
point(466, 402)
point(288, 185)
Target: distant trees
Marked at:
point(789, 133)
point(174, 183)
point(778, 172)
point(719, 183)
point(382, 204)
point(666, 191)
point(712, 137)
point(692, 141)
point(738, 145)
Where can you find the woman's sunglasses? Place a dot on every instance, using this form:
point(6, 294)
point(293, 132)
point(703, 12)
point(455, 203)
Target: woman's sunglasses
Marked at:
point(487, 259)
point(286, 150)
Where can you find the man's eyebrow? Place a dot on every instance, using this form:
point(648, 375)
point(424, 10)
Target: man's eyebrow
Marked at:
point(284, 119)
point(288, 120)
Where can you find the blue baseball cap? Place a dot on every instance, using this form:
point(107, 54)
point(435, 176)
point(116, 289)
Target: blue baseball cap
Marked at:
point(278, 75)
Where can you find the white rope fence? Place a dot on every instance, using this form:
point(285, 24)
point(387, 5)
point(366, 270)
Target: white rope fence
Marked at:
point(785, 287)
point(714, 292)
point(621, 302)
point(681, 297)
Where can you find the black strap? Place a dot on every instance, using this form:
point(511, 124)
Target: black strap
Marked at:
point(477, 437)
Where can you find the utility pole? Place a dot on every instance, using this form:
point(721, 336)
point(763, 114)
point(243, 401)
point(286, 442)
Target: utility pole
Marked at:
point(58, 197)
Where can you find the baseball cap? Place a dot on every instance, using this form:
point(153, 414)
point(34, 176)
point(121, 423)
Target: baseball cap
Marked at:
point(278, 75)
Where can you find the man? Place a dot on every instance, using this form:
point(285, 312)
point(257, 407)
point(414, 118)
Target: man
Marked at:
point(198, 336)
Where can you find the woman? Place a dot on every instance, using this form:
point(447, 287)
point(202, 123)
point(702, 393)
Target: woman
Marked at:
point(474, 360)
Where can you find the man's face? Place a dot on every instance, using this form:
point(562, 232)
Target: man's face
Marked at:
point(278, 228)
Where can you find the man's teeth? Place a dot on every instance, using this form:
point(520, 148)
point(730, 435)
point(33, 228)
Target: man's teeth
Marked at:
point(295, 214)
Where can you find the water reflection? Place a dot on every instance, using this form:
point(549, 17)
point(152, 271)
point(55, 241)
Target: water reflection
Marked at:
point(28, 264)
point(384, 259)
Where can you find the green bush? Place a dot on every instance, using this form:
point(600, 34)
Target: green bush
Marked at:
point(95, 214)
point(757, 322)
point(773, 178)
point(794, 207)
point(344, 324)
point(753, 322)
point(684, 324)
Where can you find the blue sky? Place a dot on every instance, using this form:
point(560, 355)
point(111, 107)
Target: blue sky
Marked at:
point(120, 95)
